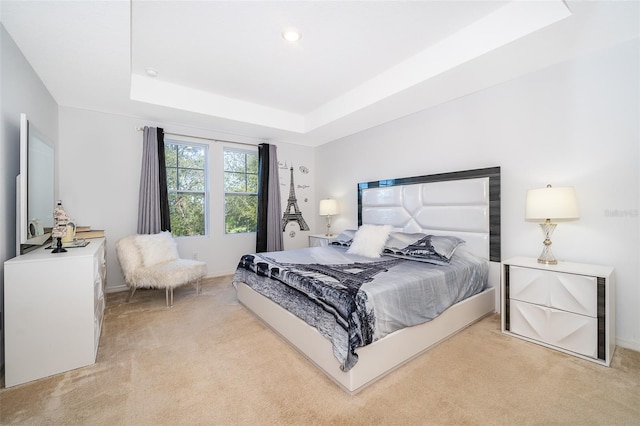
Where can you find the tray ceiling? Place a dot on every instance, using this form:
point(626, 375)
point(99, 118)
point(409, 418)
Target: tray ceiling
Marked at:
point(223, 65)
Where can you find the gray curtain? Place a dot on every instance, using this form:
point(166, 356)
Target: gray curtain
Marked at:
point(165, 212)
point(150, 199)
point(269, 234)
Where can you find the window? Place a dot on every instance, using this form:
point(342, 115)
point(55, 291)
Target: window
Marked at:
point(186, 165)
point(240, 190)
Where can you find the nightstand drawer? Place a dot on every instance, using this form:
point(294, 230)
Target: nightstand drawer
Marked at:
point(563, 291)
point(572, 332)
point(321, 240)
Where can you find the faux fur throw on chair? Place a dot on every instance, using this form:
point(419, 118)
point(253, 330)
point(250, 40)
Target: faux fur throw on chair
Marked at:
point(152, 261)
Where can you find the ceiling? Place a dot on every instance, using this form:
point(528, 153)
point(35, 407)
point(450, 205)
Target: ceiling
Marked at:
point(223, 65)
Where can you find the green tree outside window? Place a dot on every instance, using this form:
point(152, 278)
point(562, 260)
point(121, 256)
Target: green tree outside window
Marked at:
point(240, 190)
point(186, 166)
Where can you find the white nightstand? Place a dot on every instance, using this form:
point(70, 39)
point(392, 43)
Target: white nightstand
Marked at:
point(321, 240)
point(568, 307)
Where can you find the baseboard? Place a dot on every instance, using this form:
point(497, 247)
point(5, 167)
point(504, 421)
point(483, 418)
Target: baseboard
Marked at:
point(628, 344)
point(119, 288)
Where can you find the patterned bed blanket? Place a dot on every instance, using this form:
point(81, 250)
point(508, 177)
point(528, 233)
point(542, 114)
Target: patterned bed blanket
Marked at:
point(353, 300)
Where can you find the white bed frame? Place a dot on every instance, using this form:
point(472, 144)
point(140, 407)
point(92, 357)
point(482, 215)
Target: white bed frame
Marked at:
point(466, 204)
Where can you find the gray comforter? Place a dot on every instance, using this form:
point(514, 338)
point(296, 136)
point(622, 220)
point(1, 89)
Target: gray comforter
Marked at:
point(354, 300)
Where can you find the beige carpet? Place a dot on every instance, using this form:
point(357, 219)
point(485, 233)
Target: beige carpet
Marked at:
point(208, 361)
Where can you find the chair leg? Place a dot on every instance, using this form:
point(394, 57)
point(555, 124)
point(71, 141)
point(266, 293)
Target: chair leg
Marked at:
point(133, 290)
point(169, 296)
point(198, 288)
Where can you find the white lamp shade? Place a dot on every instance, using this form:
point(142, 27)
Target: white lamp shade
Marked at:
point(328, 207)
point(552, 203)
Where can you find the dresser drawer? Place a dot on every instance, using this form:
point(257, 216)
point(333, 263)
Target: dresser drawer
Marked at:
point(97, 327)
point(98, 293)
point(572, 332)
point(563, 291)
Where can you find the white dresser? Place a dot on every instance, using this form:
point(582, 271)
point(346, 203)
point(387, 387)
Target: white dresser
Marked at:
point(54, 305)
point(568, 306)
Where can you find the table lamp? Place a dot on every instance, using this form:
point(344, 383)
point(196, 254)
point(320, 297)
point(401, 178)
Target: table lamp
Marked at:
point(60, 219)
point(550, 203)
point(328, 208)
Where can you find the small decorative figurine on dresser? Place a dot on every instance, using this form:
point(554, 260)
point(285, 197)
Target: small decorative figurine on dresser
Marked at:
point(60, 220)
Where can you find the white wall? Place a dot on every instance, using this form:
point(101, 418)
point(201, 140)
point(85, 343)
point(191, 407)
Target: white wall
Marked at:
point(573, 124)
point(99, 158)
point(21, 91)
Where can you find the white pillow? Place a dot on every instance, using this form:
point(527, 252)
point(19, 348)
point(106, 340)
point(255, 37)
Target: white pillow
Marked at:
point(157, 248)
point(369, 240)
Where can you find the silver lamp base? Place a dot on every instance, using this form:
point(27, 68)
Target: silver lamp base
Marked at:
point(328, 234)
point(546, 257)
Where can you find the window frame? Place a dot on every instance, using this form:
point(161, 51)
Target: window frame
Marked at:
point(250, 151)
point(206, 170)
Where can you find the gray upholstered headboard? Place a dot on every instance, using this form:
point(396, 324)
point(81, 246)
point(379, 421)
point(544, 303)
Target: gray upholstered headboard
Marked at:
point(465, 204)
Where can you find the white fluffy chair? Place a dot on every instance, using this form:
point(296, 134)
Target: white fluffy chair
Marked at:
point(152, 261)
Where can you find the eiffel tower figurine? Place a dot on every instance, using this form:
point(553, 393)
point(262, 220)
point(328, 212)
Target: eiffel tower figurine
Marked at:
point(296, 215)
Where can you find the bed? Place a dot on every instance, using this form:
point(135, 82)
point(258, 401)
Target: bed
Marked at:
point(325, 301)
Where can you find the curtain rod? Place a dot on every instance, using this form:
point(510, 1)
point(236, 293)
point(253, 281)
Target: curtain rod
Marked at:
point(203, 138)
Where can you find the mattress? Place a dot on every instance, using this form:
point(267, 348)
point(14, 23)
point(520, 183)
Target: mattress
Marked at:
point(354, 300)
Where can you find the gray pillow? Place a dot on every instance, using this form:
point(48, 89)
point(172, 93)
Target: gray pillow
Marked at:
point(436, 249)
point(345, 238)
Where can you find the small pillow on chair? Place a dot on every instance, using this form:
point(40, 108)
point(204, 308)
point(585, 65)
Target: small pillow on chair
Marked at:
point(157, 248)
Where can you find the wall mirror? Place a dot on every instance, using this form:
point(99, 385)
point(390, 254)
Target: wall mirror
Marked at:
point(35, 186)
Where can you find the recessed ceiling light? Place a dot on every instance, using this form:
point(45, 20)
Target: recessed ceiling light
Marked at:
point(151, 72)
point(291, 35)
